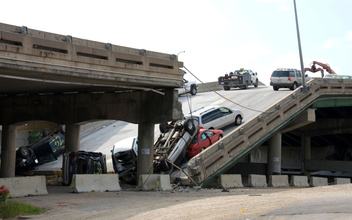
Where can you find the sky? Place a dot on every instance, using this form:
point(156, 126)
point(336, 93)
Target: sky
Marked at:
point(217, 36)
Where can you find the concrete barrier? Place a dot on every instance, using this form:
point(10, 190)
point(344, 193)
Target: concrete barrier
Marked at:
point(278, 181)
point(231, 180)
point(154, 182)
point(299, 181)
point(95, 182)
point(338, 181)
point(318, 181)
point(255, 180)
point(25, 186)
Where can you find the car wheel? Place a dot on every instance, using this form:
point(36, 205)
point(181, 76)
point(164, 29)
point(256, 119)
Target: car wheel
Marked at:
point(202, 149)
point(238, 120)
point(193, 90)
point(294, 86)
point(220, 136)
point(275, 88)
point(189, 126)
point(163, 127)
point(24, 152)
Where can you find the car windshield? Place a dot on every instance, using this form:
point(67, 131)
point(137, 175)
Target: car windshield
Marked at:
point(195, 139)
point(241, 71)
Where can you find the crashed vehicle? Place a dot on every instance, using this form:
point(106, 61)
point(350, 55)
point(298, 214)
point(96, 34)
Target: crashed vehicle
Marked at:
point(170, 148)
point(45, 150)
point(124, 159)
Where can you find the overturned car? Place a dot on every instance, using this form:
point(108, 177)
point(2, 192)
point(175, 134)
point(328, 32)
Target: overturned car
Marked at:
point(170, 148)
point(45, 150)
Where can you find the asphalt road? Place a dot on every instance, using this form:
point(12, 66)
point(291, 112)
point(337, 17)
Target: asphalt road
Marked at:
point(323, 203)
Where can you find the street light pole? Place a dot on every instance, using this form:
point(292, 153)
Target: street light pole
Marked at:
point(179, 53)
point(300, 51)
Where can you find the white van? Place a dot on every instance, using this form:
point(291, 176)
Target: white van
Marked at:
point(216, 117)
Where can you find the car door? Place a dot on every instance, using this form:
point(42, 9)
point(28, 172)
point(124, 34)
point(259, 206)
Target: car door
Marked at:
point(226, 117)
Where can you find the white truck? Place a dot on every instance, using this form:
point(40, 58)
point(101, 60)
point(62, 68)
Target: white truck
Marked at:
point(188, 87)
point(170, 147)
point(241, 78)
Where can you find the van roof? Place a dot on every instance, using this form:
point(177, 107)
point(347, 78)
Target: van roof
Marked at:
point(203, 110)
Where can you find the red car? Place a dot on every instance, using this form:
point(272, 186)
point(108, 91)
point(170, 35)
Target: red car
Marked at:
point(204, 139)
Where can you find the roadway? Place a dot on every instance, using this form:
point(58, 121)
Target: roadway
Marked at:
point(250, 102)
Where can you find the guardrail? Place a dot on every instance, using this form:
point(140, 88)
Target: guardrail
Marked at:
point(27, 52)
point(222, 155)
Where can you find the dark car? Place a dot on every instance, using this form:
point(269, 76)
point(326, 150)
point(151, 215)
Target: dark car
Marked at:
point(82, 162)
point(46, 150)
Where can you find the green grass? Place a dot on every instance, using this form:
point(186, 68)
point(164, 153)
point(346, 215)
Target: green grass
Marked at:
point(11, 209)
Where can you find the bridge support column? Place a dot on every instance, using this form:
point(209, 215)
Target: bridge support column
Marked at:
point(8, 151)
point(72, 138)
point(274, 155)
point(145, 149)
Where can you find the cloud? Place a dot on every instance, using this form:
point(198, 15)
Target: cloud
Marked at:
point(339, 42)
point(280, 5)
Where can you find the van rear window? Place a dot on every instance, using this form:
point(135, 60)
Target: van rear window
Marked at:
point(281, 74)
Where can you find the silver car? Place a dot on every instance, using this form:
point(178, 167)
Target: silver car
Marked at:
point(216, 117)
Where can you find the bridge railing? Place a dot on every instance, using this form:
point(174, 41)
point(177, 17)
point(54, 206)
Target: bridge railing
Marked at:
point(58, 56)
point(225, 153)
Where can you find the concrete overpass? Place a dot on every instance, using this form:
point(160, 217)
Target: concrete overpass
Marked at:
point(49, 79)
point(293, 136)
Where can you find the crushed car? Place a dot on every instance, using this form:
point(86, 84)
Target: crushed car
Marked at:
point(170, 148)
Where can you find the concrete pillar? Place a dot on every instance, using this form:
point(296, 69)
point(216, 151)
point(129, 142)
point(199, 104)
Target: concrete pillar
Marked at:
point(274, 155)
point(8, 151)
point(145, 149)
point(72, 138)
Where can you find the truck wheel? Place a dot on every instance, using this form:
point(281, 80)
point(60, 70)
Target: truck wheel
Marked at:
point(246, 85)
point(165, 166)
point(275, 88)
point(193, 90)
point(294, 86)
point(256, 83)
point(226, 88)
point(24, 152)
point(189, 126)
point(163, 127)
point(129, 178)
point(238, 120)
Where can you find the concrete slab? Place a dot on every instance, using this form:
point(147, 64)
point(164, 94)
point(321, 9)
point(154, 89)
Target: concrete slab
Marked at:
point(299, 181)
point(149, 182)
point(256, 180)
point(25, 186)
point(278, 181)
point(95, 182)
point(318, 181)
point(338, 181)
point(231, 180)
